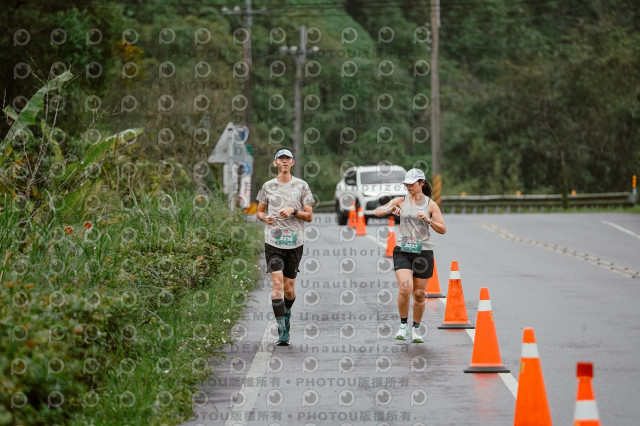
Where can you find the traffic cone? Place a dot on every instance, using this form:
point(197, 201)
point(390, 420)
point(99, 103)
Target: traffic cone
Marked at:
point(361, 227)
point(391, 239)
point(352, 216)
point(586, 412)
point(433, 284)
point(532, 408)
point(455, 311)
point(486, 353)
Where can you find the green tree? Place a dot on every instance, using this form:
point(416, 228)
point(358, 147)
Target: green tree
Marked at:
point(45, 38)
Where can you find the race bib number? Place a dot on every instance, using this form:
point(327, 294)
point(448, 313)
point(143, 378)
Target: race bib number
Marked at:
point(286, 237)
point(411, 245)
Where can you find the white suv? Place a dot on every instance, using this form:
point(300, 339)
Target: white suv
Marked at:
point(368, 187)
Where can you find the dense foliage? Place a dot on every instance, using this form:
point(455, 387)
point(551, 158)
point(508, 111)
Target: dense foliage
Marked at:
point(558, 98)
point(112, 298)
point(535, 96)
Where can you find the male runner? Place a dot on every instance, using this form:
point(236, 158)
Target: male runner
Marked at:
point(284, 204)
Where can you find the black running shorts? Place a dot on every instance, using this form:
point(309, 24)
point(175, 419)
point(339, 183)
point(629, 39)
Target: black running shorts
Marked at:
point(420, 263)
point(285, 260)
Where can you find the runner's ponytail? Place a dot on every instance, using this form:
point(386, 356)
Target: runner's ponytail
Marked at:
point(426, 188)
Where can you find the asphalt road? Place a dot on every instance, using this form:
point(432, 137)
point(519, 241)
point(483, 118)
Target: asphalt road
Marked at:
point(574, 278)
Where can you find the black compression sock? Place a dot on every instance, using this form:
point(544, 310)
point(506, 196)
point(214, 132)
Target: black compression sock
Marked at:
point(416, 324)
point(403, 320)
point(278, 307)
point(288, 303)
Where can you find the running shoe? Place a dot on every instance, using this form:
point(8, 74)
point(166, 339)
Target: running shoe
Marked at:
point(402, 333)
point(415, 337)
point(283, 334)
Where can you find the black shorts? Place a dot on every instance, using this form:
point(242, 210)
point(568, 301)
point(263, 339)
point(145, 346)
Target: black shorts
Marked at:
point(420, 263)
point(285, 260)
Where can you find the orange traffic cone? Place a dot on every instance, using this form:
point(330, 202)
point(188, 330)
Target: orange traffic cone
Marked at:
point(352, 216)
point(391, 239)
point(586, 412)
point(433, 284)
point(455, 312)
point(361, 227)
point(486, 353)
point(532, 408)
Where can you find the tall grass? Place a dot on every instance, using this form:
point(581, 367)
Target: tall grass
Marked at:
point(109, 317)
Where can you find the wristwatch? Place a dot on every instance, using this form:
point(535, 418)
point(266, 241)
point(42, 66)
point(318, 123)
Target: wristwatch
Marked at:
point(295, 212)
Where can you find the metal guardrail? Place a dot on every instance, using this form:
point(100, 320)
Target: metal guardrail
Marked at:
point(324, 207)
point(518, 203)
point(532, 203)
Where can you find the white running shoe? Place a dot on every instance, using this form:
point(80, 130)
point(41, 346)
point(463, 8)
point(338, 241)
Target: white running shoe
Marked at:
point(415, 337)
point(403, 333)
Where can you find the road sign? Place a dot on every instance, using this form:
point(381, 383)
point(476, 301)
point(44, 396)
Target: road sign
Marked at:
point(231, 151)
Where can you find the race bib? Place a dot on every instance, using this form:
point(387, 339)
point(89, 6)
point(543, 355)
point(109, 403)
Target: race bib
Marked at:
point(411, 245)
point(286, 237)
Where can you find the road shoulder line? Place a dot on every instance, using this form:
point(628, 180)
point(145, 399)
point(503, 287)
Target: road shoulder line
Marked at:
point(609, 266)
point(621, 229)
point(257, 369)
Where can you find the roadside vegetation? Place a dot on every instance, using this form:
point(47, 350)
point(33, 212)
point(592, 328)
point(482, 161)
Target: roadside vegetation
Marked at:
point(116, 287)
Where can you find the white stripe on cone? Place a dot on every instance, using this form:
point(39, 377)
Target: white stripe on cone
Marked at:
point(586, 410)
point(530, 350)
point(454, 275)
point(484, 305)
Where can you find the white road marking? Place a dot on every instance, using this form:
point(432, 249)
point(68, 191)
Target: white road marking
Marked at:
point(610, 266)
point(622, 229)
point(509, 380)
point(511, 383)
point(256, 370)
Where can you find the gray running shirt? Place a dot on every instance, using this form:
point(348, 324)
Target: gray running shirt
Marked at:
point(285, 233)
point(413, 233)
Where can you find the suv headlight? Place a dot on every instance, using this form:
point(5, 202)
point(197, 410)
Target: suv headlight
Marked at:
point(369, 194)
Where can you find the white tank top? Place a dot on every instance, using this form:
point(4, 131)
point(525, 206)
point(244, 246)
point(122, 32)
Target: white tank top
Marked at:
point(413, 233)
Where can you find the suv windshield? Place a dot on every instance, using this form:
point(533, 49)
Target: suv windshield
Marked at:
point(382, 176)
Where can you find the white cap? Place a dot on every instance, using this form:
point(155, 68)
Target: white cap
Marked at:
point(283, 152)
point(413, 176)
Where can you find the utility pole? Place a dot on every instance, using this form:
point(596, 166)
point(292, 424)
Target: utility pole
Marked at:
point(297, 104)
point(300, 56)
point(247, 15)
point(435, 104)
point(247, 21)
